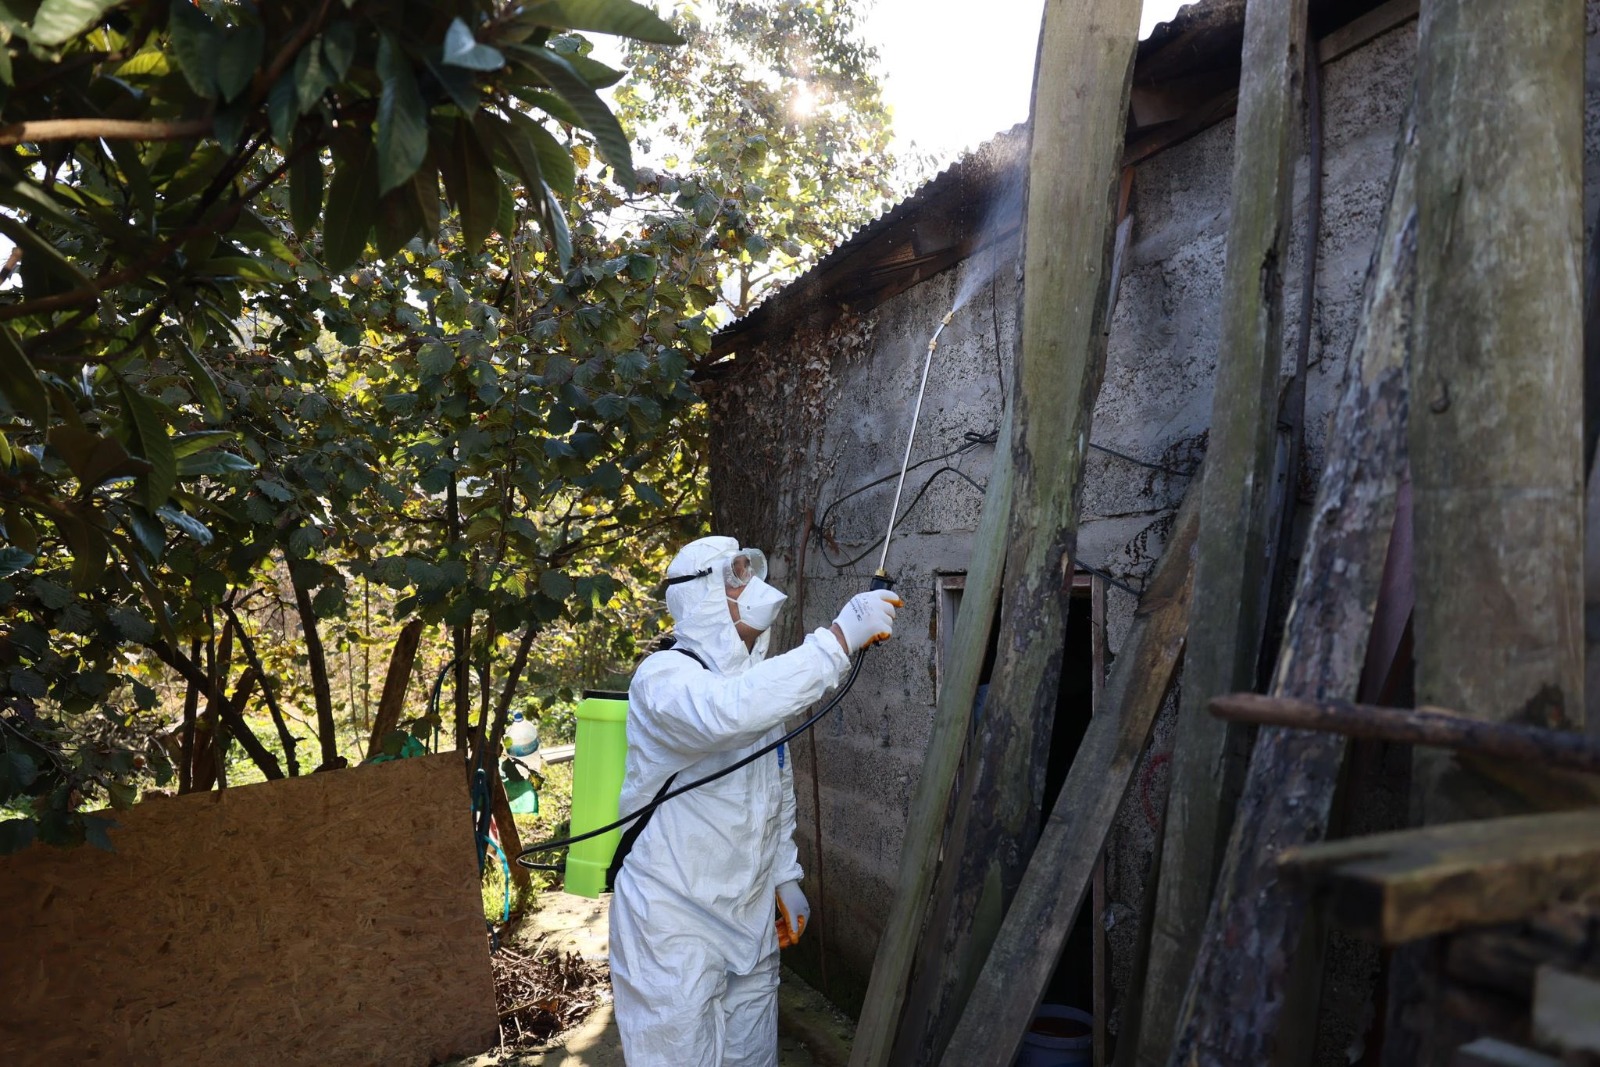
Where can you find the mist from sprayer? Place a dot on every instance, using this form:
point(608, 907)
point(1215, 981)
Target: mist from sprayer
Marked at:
point(992, 245)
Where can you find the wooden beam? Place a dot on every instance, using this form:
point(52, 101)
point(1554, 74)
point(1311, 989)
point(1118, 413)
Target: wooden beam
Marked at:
point(1026, 951)
point(1411, 884)
point(1085, 66)
point(1506, 959)
point(1236, 999)
point(1435, 727)
point(1214, 109)
point(1234, 522)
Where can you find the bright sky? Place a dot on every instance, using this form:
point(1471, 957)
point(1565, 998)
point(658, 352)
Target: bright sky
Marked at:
point(957, 73)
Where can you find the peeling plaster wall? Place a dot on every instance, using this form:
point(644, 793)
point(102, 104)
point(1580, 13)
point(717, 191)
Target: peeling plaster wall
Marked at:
point(805, 420)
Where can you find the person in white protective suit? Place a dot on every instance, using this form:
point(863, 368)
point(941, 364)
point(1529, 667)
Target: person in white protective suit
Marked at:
point(711, 877)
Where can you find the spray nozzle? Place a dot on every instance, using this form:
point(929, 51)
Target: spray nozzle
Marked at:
point(948, 315)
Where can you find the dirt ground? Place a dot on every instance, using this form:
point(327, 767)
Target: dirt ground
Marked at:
point(811, 1032)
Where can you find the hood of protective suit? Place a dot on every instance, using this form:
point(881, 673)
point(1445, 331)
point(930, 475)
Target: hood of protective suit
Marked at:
point(699, 608)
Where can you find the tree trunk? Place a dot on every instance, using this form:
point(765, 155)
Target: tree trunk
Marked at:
point(208, 751)
point(1238, 990)
point(393, 700)
point(317, 663)
point(187, 736)
point(510, 838)
point(233, 716)
point(1235, 529)
point(279, 721)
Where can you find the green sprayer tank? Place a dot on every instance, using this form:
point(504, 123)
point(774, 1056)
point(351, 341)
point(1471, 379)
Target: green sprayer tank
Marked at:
point(598, 761)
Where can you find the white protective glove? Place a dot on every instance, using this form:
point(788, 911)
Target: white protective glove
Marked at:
point(794, 911)
point(868, 618)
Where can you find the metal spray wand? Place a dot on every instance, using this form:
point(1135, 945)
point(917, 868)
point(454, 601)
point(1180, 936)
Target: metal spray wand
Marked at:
point(881, 579)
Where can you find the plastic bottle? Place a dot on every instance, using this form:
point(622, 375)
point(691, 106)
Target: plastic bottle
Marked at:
point(522, 737)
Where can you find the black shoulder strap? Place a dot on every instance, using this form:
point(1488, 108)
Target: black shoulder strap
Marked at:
point(691, 655)
point(631, 834)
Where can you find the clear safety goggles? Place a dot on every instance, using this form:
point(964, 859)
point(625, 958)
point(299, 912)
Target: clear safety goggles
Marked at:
point(737, 568)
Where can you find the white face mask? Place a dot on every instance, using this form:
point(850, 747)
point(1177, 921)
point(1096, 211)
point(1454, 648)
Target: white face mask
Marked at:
point(759, 604)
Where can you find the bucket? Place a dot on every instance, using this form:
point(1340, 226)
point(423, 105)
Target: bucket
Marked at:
point(1059, 1037)
point(598, 760)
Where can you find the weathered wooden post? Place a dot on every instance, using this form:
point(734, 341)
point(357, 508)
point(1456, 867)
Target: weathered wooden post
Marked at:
point(1497, 418)
point(1079, 110)
point(1496, 431)
point(1226, 620)
point(1240, 987)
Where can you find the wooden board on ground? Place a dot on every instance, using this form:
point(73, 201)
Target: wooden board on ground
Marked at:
point(1402, 886)
point(334, 918)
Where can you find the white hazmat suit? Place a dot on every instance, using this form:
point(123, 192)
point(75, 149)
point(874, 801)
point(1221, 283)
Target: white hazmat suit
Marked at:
point(694, 952)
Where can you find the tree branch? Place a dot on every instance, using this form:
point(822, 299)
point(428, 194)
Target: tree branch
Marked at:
point(41, 130)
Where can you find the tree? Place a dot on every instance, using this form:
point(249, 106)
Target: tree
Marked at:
point(319, 415)
point(177, 312)
point(773, 106)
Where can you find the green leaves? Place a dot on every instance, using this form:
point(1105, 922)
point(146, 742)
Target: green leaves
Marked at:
point(623, 18)
point(352, 204)
point(402, 118)
point(461, 49)
point(19, 382)
point(471, 182)
point(595, 116)
point(203, 384)
point(196, 45)
point(147, 434)
point(58, 21)
point(238, 58)
point(305, 191)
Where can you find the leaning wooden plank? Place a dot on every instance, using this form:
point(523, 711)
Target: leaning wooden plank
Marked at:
point(920, 848)
point(1081, 89)
point(969, 897)
point(1025, 953)
point(1236, 997)
point(1566, 1012)
point(1401, 886)
point(1234, 524)
point(1435, 727)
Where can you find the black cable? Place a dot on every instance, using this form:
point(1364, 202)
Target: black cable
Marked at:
point(1140, 462)
point(970, 440)
point(905, 513)
point(563, 842)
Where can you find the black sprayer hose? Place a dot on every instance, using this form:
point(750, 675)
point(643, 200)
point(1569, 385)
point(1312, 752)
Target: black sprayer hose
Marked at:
point(563, 842)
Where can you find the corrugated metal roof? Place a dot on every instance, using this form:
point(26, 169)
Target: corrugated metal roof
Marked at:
point(1184, 60)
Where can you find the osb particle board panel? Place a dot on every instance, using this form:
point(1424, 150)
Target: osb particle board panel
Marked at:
point(329, 919)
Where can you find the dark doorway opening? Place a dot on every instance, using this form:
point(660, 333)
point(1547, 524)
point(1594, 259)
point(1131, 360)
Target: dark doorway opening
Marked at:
point(1073, 983)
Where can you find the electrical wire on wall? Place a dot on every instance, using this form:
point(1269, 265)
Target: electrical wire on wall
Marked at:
point(970, 440)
